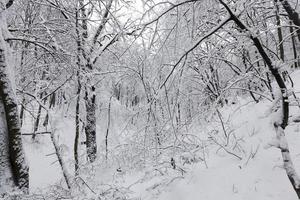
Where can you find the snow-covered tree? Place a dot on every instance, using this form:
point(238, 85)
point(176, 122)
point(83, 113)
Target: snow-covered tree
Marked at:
point(14, 169)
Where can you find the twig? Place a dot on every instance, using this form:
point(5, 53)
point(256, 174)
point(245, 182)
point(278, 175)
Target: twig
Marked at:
point(222, 147)
point(223, 127)
point(37, 133)
point(86, 184)
point(227, 19)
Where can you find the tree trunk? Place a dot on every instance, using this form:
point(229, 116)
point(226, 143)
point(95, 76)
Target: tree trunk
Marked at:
point(6, 177)
point(37, 122)
point(52, 100)
point(16, 157)
point(107, 130)
point(77, 112)
point(294, 45)
point(22, 114)
point(60, 159)
point(279, 32)
point(17, 160)
point(292, 14)
point(77, 131)
point(90, 95)
point(90, 128)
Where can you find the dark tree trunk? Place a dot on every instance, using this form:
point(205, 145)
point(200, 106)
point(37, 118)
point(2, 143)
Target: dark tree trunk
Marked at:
point(18, 163)
point(279, 32)
point(90, 128)
point(52, 100)
point(107, 130)
point(251, 93)
point(77, 112)
point(294, 45)
point(37, 122)
point(270, 85)
point(22, 114)
point(6, 177)
point(77, 130)
point(292, 14)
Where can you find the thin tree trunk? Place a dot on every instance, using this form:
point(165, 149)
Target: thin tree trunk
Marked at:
point(294, 45)
point(270, 85)
point(251, 93)
point(22, 114)
point(60, 159)
point(52, 100)
point(292, 14)
point(279, 31)
point(37, 122)
point(107, 130)
point(280, 38)
point(77, 112)
point(77, 131)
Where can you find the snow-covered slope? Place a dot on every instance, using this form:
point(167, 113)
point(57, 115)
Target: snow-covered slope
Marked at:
point(226, 177)
point(261, 177)
point(258, 175)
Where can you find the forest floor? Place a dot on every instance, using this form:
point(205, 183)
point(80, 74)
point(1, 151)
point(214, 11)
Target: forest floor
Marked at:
point(258, 175)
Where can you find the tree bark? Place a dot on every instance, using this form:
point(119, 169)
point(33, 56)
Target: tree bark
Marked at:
point(90, 95)
point(107, 129)
point(17, 159)
point(294, 45)
point(77, 112)
point(60, 159)
point(90, 128)
point(22, 114)
point(6, 177)
point(77, 130)
point(292, 14)
point(37, 122)
point(279, 31)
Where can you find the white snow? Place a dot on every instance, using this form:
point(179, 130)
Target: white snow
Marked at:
point(259, 175)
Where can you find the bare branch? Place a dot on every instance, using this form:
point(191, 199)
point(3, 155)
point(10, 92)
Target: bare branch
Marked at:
point(227, 19)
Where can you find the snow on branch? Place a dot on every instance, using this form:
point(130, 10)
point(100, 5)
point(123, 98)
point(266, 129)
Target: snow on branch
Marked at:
point(37, 43)
point(194, 46)
point(102, 23)
point(168, 10)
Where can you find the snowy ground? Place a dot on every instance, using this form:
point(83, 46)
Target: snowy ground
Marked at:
point(259, 175)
